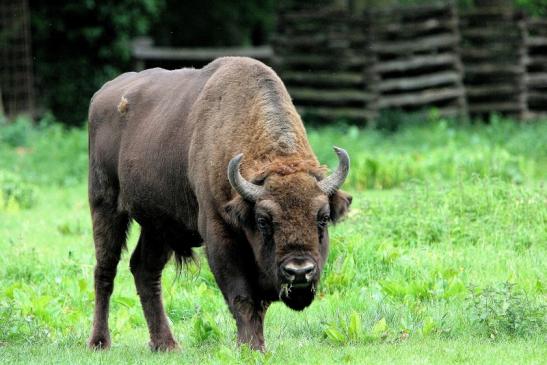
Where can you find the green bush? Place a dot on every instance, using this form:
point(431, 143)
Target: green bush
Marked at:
point(47, 153)
point(16, 327)
point(503, 310)
point(14, 192)
point(15, 134)
point(205, 328)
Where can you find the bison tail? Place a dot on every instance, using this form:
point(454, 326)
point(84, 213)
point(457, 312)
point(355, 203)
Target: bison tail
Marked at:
point(183, 257)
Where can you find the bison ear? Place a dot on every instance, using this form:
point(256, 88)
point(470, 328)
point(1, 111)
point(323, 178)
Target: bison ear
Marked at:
point(237, 212)
point(339, 205)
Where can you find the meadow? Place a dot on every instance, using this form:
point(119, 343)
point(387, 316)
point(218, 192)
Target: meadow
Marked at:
point(443, 258)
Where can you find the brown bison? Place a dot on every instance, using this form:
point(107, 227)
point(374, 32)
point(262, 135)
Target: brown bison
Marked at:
point(217, 155)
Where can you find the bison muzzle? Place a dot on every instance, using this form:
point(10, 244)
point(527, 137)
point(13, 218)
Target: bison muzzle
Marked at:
point(216, 156)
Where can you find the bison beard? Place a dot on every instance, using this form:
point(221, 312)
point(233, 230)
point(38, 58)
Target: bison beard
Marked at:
point(217, 156)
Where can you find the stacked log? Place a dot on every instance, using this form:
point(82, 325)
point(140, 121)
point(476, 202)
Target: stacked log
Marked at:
point(536, 67)
point(418, 62)
point(487, 59)
point(494, 55)
point(16, 76)
point(324, 59)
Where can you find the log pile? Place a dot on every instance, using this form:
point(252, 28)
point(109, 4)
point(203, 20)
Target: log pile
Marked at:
point(324, 59)
point(536, 67)
point(488, 58)
point(493, 54)
point(418, 60)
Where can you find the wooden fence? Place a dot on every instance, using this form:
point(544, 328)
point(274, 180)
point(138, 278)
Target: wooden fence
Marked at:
point(145, 52)
point(340, 64)
point(417, 58)
point(493, 54)
point(536, 67)
point(324, 60)
point(16, 77)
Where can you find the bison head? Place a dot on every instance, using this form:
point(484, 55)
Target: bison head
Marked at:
point(285, 218)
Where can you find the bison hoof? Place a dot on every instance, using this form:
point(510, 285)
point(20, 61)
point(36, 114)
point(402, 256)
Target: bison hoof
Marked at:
point(164, 345)
point(99, 343)
point(253, 345)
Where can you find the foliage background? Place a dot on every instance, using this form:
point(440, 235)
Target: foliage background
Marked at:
point(79, 45)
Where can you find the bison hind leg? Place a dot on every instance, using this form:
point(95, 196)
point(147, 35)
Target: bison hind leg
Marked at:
point(109, 231)
point(147, 263)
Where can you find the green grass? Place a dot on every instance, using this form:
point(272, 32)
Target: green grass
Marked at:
point(443, 258)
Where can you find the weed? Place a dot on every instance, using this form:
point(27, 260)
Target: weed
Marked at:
point(503, 310)
point(16, 134)
point(205, 328)
point(15, 193)
point(350, 330)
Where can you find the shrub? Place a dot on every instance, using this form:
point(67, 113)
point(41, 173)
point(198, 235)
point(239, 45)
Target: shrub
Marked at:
point(205, 328)
point(503, 310)
point(15, 134)
point(14, 192)
point(15, 327)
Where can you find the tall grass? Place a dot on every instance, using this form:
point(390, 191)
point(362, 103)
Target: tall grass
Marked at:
point(438, 150)
point(435, 150)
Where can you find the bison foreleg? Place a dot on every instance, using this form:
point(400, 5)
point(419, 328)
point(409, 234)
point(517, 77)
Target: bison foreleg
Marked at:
point(147, 263)
point(230, 265)
point(249, 317)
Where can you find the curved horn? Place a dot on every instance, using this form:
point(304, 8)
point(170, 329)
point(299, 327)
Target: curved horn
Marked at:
point(331, 183)
point(246, 189)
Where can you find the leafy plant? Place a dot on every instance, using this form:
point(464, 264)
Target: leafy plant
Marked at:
point(16, 326)
point(205, 328)
point(503, 310)
point(15, 134)
point(15, 193)
point(350, 330)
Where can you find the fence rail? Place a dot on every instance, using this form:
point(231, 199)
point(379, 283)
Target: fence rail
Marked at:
point(143, 50)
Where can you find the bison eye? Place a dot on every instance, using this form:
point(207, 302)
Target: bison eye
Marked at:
point(323, 220)
point(263, 223)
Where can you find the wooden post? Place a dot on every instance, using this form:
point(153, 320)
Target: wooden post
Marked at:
point(2, 112)
point(536, 67)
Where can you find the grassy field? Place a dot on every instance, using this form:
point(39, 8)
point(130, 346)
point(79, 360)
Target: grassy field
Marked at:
point(443, 258)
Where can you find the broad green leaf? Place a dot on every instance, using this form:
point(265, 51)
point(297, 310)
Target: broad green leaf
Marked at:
point(379, 328)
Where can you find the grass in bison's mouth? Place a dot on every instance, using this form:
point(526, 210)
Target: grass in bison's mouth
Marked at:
point(284, 291)
point(300, 289)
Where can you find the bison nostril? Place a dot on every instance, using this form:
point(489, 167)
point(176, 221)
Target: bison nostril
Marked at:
point(299, 272)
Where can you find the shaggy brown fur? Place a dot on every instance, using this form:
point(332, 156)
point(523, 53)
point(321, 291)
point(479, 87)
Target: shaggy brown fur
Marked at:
point(159, 146)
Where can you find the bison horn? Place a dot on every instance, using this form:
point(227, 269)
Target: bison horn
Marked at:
point(246, 189)
point(331, 183)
